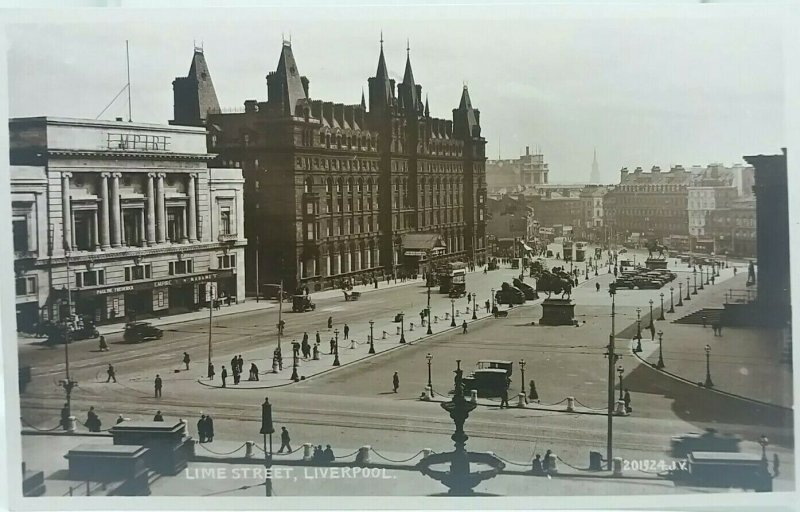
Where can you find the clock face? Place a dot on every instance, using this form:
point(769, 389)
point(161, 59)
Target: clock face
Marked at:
point(292, 70)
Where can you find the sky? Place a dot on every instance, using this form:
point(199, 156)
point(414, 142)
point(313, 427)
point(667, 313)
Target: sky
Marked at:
point(643, 87)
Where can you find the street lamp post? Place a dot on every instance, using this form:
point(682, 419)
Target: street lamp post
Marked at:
point(638, 323)
point(430, 329)
point(474, 307)
point(620, 371)
point(522, 372)
point(708, 276)
point(336, 348)
point(680, 293)
point(371, 338)
point(612, 360)
point(688, 288)
point(661, 312)
point(694, 275)
point(650, 325)
point(660, 363)
point(267, 430)
point(492, 297)
point(708, 382)
point(701, 279)
point(294, 376)
point(402, 327)
point(671, 301)
point(452, 312)
point(429, 357)
point(763, 441)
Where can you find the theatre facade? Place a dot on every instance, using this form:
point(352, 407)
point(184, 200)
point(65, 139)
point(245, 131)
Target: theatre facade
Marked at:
point(127, 216)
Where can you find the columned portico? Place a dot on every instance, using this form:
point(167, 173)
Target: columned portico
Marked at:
point(161, 213)
point(192, 193)
point(151, 210)
point(105, 234)
point(116, 223)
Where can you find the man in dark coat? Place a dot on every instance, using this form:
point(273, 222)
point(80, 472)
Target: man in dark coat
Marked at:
point(111, 374)
point(158, 384)
point(224, 376)
point(158, 416)
point(333, 346)
point(318, 339)
point(209, 428)
point(201, 428)
point(103, 344)
point(327, 455)
point(330, 322)
point(92, 420)
point(532, 393)
point(186, 359)
point(285, 440)
point(346, 331)
point(64, 416)
point(626, 397)
point(211, 371)
point(395, 382)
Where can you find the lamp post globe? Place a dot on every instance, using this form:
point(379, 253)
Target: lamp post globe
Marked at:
point(763, 441)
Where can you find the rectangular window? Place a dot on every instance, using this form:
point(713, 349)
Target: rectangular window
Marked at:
point(309, 208)
point(25, 285)
point(132, 225)
point(225, 220)
point(227, 261)
point(20, 230)
point(90, 278)
point(137, 272)
point(84, 229)
point(310, 231)
point(175, 224)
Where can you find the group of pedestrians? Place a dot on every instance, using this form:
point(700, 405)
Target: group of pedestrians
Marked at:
point(205, 428)
point(542, 466)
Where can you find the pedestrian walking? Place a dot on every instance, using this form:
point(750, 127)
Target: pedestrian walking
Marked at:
point(504, 394)
point(111, 374)
point(317, 338)
point(236, 375)
point(305, 348)
point(346, 331)
point(224, 376)
point(234, 363)
point(253, 372)
point(316, 351)
point(597, 286)
point(201, 428)
point(532, 393)
point(333, 346)
point(487, 305)
point(627, 399)
point(330, 322)
point(652, 331)
point(395, 382)
point(158, 416)
point(546, 462)
point(93, 422)
point(464, 327)
point(103, 344)
point(120, 419)
point(186, 359)
point(241, 364)
point(285, 440)
point(157, 383)
point(295, 349)
point(211, 372)
point(422, 317)
point(209, 428)
point(305, 337)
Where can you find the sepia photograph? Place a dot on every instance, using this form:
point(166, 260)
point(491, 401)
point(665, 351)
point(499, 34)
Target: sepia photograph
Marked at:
point(494, 256)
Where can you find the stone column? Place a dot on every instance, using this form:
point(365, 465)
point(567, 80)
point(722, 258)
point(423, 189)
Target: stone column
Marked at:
point(142, 242)
point(95, 232)
point(192, 193)
point(161, 213)
point(66, 210)
point(183, 226)
point(116, 221)
point(105, 236)
point(151, 210)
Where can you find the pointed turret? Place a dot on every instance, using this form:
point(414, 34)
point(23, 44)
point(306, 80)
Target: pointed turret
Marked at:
point(194, 94)
point(595, 176)
point(363, 102)
point(466, 120)
point(285, 87)
point(409, 91)
point(427, 110)
point(381, 93)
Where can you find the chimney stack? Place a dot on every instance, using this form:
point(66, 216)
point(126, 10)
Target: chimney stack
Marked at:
point(527, 151)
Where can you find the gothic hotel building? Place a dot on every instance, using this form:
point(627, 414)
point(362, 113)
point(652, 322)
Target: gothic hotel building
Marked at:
point(336, 192)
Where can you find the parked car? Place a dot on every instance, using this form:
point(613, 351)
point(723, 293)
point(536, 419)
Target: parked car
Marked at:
point(527, 289)
point(80, 327)
point(488, 382)
point(141, 331)
point(708, 441)
point(624, 283)
point(644, 283)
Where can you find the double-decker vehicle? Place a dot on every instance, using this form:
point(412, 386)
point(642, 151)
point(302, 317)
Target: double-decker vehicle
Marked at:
point(452, 277)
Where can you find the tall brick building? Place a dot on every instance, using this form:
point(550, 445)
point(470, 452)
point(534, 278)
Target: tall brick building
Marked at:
point(335, 191)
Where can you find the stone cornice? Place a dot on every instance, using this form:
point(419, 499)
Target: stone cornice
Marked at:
point(134, 155)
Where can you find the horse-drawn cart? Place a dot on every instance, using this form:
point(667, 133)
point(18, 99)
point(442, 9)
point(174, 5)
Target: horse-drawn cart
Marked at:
point(350, 296)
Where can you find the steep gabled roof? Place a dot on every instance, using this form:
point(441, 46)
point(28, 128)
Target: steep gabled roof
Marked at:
point(289, 76)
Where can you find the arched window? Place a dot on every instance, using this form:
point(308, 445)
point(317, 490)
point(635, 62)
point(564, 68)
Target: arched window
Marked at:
point(309, 185)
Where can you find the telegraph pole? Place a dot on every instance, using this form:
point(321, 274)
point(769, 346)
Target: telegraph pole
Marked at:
point(612, 360)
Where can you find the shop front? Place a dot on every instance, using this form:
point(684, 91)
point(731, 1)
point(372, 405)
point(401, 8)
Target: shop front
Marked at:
point(143, 299)
point(420, 250)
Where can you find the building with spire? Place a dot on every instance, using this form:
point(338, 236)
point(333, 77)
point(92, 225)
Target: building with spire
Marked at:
point(194, 94)
point(336, 192)
point(594, 178)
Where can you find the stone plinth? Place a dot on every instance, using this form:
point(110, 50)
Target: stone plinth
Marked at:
point(103, 463)
point(557, 312)
point(169, 445)
point(655, 263)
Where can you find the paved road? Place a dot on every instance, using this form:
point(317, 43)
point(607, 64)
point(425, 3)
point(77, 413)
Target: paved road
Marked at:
point(354, 405)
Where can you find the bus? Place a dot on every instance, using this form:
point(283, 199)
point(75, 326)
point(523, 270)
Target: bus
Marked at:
point(452, 277)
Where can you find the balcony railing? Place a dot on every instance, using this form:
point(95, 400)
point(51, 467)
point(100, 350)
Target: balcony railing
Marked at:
point(227, 237)
point(741, 296)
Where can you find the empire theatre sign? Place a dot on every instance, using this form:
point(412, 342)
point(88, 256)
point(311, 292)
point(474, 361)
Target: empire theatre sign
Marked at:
point(160, 283)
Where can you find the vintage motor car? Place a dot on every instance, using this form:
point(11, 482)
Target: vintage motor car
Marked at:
point(527, 289)
point(302, 303)
point(708, 441)
point(80, 328)
point(488, 382)
point(141, 331)
point(507, 294)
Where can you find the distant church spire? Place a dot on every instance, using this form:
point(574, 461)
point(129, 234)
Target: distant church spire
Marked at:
point(595, 176)
point(427, 110)
point(363, 101)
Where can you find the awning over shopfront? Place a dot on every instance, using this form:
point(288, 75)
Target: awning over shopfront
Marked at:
point(154, 283)
point(420, 244)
